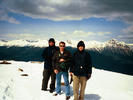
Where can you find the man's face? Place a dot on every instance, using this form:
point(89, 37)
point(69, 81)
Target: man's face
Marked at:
point(51, 43)
point(81, 48)
point(62, 46)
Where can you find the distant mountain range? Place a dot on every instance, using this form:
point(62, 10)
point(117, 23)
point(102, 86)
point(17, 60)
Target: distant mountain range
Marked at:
point(72, 43)
point(111, 55)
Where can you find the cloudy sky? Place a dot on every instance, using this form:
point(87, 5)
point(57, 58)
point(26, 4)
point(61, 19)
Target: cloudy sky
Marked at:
point(99, 20)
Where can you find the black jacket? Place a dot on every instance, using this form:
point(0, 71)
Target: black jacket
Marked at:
point(47, 55)
point(66, 56)
point(82, 65)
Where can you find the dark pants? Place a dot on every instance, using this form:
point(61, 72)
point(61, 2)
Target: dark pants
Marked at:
point(46, 75)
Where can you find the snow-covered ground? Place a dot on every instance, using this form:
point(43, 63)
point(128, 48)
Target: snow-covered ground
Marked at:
point(103, 85)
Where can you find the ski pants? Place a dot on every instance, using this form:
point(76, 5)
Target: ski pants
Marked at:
point(47, 73)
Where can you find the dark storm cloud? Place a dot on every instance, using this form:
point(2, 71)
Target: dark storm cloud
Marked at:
point(72, 9)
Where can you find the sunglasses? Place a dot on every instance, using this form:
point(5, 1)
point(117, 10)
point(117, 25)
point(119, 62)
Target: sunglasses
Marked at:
point(62, 45)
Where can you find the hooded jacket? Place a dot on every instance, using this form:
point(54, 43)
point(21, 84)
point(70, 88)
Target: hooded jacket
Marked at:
point(47, 55)
point(82, 65)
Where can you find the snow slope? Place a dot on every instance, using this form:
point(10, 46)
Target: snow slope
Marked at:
point(103, 85)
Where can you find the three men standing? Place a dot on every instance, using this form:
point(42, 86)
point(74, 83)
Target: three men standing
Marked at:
point(57, 64)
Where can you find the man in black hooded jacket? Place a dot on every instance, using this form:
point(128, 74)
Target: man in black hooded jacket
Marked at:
point(81, 70)
point(48, 68)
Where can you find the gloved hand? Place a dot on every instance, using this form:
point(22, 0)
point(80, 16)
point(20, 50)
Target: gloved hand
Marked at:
point(71, 80)
point(89, 76)
point(71, 74)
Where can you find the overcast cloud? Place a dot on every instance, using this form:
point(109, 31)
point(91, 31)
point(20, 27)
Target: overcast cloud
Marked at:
point(72, 9)
point(59, 10)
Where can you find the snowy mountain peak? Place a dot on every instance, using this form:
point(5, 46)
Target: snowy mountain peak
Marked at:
point(116, 43)
point(113, 41)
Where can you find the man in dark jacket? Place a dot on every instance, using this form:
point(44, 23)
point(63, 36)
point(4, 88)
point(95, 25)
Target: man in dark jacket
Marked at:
point(48, 68)
point(61, 62)
point(81, 70)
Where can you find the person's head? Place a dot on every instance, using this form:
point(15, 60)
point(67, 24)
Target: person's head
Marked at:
point(51, 42)
point(62, 46)
point(81, 46)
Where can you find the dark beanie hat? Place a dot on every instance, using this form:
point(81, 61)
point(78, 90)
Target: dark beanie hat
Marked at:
point(81, 43)
point(51, 40)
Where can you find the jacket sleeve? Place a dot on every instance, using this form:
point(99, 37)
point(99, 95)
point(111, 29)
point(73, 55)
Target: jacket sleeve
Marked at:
point(54, 61)
point(44, 54)
point(89, 63)
point(69, 57)
point(69, 60)
point(72, 63)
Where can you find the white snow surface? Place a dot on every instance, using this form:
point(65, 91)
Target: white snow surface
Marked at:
point(103, 85)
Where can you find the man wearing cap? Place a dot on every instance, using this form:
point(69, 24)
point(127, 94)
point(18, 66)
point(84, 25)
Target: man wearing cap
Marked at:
point(48, 68)
point(81, 70)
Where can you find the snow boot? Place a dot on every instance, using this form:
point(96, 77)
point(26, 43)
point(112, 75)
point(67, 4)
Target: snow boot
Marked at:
point(67, 97)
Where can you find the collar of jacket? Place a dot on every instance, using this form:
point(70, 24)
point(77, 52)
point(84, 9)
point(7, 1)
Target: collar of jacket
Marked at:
point(52, 46)
point(81, 51)
point(63, 51)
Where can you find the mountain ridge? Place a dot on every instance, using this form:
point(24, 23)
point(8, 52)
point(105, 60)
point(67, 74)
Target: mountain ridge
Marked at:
point(43, 43)
point(111, 55)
